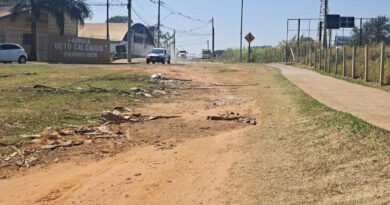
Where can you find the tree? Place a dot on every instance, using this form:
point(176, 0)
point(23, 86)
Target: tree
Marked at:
point(118, 19)
point(34, 8)
point(78, 10)
point(166, 39)
point(374, 31)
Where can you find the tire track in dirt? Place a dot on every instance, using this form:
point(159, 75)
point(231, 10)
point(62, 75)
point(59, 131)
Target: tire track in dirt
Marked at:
point(191, 173)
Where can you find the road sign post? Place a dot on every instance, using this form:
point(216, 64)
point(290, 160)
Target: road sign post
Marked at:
point(249, 37)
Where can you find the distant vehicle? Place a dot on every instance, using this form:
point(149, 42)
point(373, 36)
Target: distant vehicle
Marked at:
point(206, 53)
point(182, 54)
point(10, 52)
point(158, 55)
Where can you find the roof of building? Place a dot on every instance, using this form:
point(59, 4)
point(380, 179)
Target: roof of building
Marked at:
point(99, 30)
point(4, 11)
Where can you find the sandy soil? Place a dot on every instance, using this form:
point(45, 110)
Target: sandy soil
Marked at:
point(369, 104)
point(195, 169)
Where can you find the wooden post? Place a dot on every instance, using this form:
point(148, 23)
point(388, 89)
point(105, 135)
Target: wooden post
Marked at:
point(326, 60)
point(307, 56)
point(320, 58)
point(285, 54)
point(330, 59)
point(315, 58)
point(366, 65)
point(310, 58)
point(382, 68)
point(344, 60)
point(353, 62)
point(336, 61)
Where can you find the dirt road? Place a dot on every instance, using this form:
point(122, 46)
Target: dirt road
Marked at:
point(193, 170)
point(300, 152)
point(369, 104)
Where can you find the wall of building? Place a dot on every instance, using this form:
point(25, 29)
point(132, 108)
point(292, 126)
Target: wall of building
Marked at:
point(19, 31)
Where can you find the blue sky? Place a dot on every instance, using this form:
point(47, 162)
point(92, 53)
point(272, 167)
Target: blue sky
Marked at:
point(266, 19)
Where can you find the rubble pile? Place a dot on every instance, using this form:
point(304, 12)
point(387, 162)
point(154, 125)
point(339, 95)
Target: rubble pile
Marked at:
point(27, 153)
point(231, 116)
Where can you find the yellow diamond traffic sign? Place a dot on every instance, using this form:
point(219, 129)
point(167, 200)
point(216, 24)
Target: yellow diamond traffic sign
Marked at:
point(250, 37)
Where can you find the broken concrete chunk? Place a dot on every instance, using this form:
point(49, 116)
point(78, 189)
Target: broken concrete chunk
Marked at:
point(9, 157)
point(123, 109)
point(66, 144)
point(147, 95)
point(49, 146)
point(31, 161)
point(232, 116)
point(67, 131)
point(108, 116)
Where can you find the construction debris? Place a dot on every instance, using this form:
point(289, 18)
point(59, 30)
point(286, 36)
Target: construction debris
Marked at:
point(128, 116)
point(231, 116)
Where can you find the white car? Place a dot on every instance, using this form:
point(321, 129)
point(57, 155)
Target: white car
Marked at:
point(10, 52)
point(158, 55)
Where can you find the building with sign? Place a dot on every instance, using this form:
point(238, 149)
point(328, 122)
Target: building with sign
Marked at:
point(142, 37)
point(51, 46)
point(19, 30)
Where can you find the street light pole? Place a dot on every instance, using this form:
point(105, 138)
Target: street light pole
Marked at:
point(158, 24)
point(242, 14)
point(213, 38)
point(108, 23)
point(129, 39)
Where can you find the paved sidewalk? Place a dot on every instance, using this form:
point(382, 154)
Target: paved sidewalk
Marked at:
point(369, 104)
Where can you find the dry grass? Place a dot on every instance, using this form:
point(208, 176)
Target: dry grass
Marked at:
point(307, 153)
point(26, 111)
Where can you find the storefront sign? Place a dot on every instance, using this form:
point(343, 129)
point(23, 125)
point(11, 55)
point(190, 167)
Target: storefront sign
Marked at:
point(78, 50)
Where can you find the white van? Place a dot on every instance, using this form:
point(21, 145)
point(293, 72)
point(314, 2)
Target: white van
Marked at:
point(206, 53)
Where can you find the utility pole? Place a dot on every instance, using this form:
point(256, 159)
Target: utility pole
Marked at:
point(325, 23)
point(242, 15)
point(299, 39)
point(108, 24)
point(361, 32)
point(213, 38)
point(174, 43)
point(158, 24)
point(129, 37)
point(208, 46)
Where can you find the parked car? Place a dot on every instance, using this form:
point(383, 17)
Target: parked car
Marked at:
point(206, 54)
point(182, 54)
point(158, 55)
point(10, 52)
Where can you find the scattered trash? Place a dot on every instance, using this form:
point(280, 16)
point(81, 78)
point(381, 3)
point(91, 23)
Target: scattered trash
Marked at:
point(231, 116)
point(156, 76)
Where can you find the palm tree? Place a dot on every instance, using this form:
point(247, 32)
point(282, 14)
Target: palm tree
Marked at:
point(78, 11)
point(34, 8)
